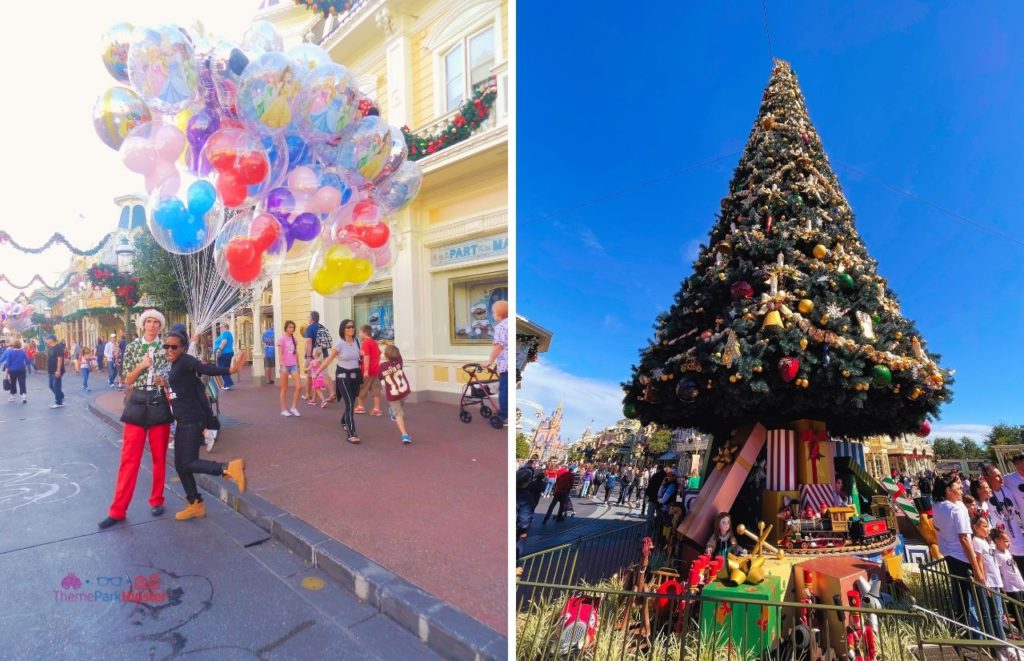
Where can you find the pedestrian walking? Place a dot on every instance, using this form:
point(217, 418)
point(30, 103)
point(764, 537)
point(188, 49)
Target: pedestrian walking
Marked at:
point(317, 340)
point(85, 367)
point(268, 354)
point(524, 511)
point(288, 354)
point(319, 387)
point(15, 362)
point(588, 477)
point(560, 496)
point(100, 346)
point(75, 355)
point(31, 350)
point(224, 349)
point(626, 488)
point(666, 498)
point(110, 357)
point(651, 493)
point(396, 388)
point(599, 477)
point(347, 375)
point(146, 415)
point(610, 482)
point(371, 372)
point(192, 414)
point(55, 369)
point(499, 355)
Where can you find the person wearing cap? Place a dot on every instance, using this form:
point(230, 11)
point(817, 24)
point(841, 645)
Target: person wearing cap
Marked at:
point(143, 361)
point(110, 356)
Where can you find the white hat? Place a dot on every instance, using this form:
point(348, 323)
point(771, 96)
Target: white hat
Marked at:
point(151, 314)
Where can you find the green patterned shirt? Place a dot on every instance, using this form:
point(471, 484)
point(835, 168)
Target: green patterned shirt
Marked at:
point(133, 355)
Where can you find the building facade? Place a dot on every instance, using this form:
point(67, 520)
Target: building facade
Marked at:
point(904, 454)
point(421, 60)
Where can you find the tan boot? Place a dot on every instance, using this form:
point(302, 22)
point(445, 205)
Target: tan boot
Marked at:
point(236, 473)
point(193, 511)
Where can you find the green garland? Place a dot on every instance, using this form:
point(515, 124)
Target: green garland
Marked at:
point(467, 120)
point(327, 7)
point(38, 278)
point(56, 238)
point(124, 286)
point(48, 323)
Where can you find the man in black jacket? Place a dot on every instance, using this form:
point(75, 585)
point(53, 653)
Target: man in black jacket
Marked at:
point(653, 485)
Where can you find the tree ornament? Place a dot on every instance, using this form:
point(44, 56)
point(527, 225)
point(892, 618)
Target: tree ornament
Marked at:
point(824, 319)
point(819, 251)
point(732, 348)
point(796, 201)
point(788, 368)
point(629, 410)
point(866, 325)
point(687, 390)
point(915, 393)
point(768, 224)
point(741, 289)
point(826, 357)
point(846, 281)
point(806, 306)
point(772, 322)
point(803, 342)
point(924, 429)
point(881, 376)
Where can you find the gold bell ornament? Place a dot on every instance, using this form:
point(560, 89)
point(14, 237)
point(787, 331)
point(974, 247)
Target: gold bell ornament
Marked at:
point(772, 322)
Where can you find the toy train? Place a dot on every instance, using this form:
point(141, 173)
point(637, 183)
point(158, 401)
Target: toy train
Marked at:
point(838, 527)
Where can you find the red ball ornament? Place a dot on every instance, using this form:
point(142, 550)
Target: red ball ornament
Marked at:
point(741, 289)
point(924, 429)
point(788, 368)
point(706, 335)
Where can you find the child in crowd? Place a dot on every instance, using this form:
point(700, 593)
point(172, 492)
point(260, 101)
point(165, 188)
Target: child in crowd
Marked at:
point(1013, 582)
point(971, 504)
point(319, 386)
point(990, 602)
point(396, 388)
point(87, 364)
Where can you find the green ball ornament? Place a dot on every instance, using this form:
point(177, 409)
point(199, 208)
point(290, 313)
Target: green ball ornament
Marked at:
point(796, 201)
point(881, 376)
point(846, 280)
point(629, 410)
point(876, 319)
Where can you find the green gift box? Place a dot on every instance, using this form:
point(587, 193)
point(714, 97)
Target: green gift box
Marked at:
point(746, 628)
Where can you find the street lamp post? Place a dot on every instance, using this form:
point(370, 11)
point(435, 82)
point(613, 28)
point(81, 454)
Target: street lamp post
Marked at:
point(125, 253)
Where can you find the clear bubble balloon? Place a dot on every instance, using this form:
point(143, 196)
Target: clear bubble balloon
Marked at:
point(397, 191)
point(366, 148)
point(268, 93)
point(185, 224)
point(262, 37)
point(162, 68)
point(153, 150)
point(310, 56)
point(341, 269)
point(116, 42)
point(117, 112)
point(327, 104)
point(240, 168)
point(397, 153)
point(249, 250)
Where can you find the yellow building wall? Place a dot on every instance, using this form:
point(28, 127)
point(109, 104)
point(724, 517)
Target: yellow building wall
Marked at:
point(422, 79)
point(295, 298)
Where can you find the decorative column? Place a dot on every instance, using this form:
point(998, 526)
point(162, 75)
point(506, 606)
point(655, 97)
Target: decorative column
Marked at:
point(398, 51)
point(257, 333)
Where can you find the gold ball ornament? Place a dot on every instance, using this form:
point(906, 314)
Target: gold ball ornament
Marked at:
point(846, 329)
point(664, 377)
point(803, 342)
point(846, 373)
point(722, 276)
point(819, 251)
point(732, 378)
point(824, 319)
point(899, 335)
point(806, 306)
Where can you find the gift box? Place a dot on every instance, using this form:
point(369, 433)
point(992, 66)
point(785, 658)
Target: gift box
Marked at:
point(774, 503)
point(817, 496)
point(833, 578)
point(732, 465)
point(781, 460)
point(852, 449)
point(746, 628)
point(814, 453)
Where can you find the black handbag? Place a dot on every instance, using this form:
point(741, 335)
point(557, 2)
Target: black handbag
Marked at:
point(8, 384)
point(147, 408)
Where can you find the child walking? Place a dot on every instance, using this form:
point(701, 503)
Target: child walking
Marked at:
point(85, 367)
point(396, 388)
point(318, 385)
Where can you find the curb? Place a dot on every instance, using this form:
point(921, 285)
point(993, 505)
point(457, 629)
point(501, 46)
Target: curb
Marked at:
point(442, 627)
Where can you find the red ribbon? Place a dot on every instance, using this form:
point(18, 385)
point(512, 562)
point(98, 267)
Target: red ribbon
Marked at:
point(815, 437)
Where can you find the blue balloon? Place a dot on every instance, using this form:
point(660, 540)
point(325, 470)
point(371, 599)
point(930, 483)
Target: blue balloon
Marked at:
point(298, 152)
point(171, 213)
point(201, 197)
point(190, 234)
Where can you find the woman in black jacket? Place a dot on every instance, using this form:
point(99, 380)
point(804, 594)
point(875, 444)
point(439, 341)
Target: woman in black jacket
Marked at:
point(192, 412)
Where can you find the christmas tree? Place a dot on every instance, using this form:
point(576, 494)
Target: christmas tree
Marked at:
point(785, 316)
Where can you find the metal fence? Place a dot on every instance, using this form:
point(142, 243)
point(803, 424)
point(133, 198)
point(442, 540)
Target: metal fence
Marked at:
point(977, 611)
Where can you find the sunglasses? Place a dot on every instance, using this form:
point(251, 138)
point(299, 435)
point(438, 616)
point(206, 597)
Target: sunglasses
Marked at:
point(350, 327)
point(172, 346)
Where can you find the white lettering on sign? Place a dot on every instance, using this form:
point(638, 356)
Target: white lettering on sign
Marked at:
point(486, 247)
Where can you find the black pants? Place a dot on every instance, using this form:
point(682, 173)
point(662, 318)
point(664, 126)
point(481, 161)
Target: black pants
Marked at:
point(188, 436)
point(346, 383)
point(17, 379)
point(564, 504)
point(624, 492)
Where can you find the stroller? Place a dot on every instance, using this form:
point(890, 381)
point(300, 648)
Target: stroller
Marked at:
point(478, 391)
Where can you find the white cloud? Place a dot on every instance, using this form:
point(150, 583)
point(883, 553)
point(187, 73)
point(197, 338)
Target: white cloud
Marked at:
point(583, 399)
point(589, 239)
point(957, 431)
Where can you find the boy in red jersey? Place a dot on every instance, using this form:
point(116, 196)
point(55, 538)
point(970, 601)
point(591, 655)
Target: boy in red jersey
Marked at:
point(396, 387)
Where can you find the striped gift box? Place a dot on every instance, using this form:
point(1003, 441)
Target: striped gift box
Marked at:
point(781, 460)
point(852, 449)
point(817, 496)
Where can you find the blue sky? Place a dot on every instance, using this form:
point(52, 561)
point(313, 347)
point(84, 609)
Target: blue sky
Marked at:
point(615, 106)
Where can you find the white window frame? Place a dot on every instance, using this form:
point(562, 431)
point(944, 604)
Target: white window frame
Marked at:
point(461, 22)
point(467, 83)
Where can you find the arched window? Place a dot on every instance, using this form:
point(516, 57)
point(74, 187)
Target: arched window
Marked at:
point(138, 216)
point(123, 223)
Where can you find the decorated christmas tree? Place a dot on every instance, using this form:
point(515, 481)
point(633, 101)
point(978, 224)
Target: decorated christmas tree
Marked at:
point(785, 316)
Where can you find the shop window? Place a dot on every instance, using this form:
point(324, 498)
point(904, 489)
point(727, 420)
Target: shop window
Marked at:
point(470, 301)
point(467, 65)
point(377, 310)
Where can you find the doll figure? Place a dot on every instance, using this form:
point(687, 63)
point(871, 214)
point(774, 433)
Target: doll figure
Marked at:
point(723, 541)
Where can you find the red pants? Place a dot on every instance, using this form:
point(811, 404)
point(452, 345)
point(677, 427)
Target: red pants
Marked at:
point(131, 459)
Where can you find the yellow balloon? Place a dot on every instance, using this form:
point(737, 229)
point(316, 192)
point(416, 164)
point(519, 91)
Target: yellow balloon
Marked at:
point(181, 121)
point(359, 271)
point(336, 258)
point(325, 282)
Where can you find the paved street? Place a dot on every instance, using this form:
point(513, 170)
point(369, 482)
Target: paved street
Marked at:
point(592, 518)
point(213, 588)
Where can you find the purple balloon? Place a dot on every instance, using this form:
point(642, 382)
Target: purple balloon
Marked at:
point(200, 127)
point(280, 203)
point(305, 227)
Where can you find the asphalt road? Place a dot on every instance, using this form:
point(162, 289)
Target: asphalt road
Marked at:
point(154, 588)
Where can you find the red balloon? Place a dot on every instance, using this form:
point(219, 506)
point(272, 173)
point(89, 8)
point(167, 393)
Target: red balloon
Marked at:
point(245, 272)
point(240, 250)
point(222, 160)
point(788, 368)
point(264, 231)
point(374, 236)
point(252, 168)
point(924, 429)
point(365, 212)
point(232, 192)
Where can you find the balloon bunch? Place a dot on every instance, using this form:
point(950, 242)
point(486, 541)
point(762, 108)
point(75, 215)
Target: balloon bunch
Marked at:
point(16, 317)
point(282, 139)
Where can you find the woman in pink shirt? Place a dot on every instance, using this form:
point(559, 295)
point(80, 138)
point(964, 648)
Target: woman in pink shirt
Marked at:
point(288, 360)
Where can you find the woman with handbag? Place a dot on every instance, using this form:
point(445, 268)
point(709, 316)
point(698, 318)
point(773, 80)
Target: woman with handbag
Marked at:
point(146, 414)
point(15, 361)
point(193, 414)
point(348, 376)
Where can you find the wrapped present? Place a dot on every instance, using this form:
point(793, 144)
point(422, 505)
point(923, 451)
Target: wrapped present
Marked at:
point(775, 509)
point(817, 496)
point(852, 449)
point(746, 628)
point(814, 453)
point(833, 578)
point(781, 460)
point(732, 465)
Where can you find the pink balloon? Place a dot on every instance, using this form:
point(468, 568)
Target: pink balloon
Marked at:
point(169, 142)
point(382, 257)
point(326, 199)
point(164, 176)
point(138, 155)
point(302, 181)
